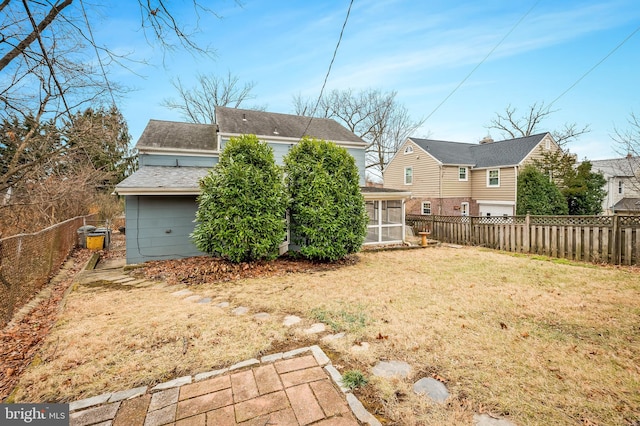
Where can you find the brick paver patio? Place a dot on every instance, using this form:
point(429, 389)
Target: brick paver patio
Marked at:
point(295, 388)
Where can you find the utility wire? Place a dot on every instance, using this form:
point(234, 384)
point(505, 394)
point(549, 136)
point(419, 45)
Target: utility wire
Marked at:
point(326, 77)
point(482, 61)
point(596, 65)
point(93, 43)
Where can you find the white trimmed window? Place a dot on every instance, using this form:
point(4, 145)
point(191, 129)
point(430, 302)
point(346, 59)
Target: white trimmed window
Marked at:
point(408, 175)
point(408, 149)
point(462, 173)
point(426, 207)
point(464, 209)
point(620, 187)
point(493, 177)
point(547, 144)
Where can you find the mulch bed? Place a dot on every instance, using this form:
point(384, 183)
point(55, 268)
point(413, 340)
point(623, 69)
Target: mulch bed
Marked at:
point(205, 269)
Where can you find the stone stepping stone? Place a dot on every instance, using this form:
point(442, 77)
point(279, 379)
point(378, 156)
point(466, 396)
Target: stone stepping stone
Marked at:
point(262, 316)
point(290, 320)
point(222, 305)
point(360, 347)
point(434, 389)
point(182, 293)
point(316, 328)
point(487, 420)
point(193, 298)
point(331, 337)
point(205, 300)
point(240, 310)
point(390, 369)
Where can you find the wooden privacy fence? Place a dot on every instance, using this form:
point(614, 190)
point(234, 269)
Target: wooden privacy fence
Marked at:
point(606, 239)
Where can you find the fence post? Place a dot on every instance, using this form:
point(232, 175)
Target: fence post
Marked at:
point(616, 250)
point(526, 233)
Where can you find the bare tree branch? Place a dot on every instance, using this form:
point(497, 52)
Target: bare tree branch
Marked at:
point(197, 104)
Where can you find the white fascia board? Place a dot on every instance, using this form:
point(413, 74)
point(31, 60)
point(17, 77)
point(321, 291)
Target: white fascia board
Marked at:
point(502, 166)
point(157, 191)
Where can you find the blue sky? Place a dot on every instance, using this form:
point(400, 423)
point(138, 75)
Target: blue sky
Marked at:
point(422, 50)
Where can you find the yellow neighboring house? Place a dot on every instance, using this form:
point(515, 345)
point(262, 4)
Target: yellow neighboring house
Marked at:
point(463, 179)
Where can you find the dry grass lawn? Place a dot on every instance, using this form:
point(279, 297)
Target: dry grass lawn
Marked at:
point(540, 342)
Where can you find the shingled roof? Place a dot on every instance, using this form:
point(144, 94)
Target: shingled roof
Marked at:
point(163, 180)
point(233, 121)
point(173, 135)
point(508, 152)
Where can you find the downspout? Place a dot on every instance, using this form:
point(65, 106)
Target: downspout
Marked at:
point(440, 191)
point(515, 190)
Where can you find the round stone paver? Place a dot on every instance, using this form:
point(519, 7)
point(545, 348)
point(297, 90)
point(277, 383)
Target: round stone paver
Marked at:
point(316, 328)
point(487, 420)
point(240, 310)
point(262, 316)
point(432, 388)
point(290, 320)
point(389, 369)
point(361, 347)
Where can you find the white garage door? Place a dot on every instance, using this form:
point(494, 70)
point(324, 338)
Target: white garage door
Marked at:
point(496, 210)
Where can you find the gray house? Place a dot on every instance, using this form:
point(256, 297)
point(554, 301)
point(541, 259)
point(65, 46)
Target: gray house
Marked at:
point(160, 197)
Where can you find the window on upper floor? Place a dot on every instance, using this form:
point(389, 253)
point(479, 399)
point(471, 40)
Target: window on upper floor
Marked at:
point(408, 149)
point(620, 187)
point(462, 173)
point(408, 175)
point(426, 207)
point(493, 177)
point(547, 144)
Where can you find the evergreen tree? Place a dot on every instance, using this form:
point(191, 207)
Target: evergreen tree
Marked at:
point(584, 190)
point(241, 213)
point(538, 195)
point(327, 211)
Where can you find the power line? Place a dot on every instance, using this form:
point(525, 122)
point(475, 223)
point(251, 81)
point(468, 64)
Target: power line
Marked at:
point(611, 52)
point(482, 61)
point(326, 77)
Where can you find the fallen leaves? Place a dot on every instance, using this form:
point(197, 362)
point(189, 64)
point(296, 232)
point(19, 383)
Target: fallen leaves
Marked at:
point(206, 269)
point(21, 341)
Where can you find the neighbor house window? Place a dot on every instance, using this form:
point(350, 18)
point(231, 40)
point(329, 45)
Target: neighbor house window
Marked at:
point(547, 144)
point(493, 177)
point(620, 187)
point(464, 209)
point(408, 175)
point(462, 173)
point(426, 207)
point(408, 149)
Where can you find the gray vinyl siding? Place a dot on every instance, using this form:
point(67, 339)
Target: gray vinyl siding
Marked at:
point(148, 220)
point(176, 160)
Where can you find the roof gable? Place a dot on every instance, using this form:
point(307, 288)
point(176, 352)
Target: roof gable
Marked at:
point(234, 121)
point(508, 152)
point(173, 135)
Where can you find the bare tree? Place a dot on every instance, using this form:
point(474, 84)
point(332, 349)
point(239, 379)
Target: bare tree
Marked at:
point(628, 140)
point(197, 104)
point(374, 116)
point(51, 67)
point(510, 125)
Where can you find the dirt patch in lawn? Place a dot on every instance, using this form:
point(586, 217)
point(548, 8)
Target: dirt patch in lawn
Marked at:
point(538, 342)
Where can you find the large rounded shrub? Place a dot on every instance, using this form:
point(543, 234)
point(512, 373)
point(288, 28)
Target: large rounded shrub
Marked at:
point(538, 195)
point(328, 220)
point(241, 213)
